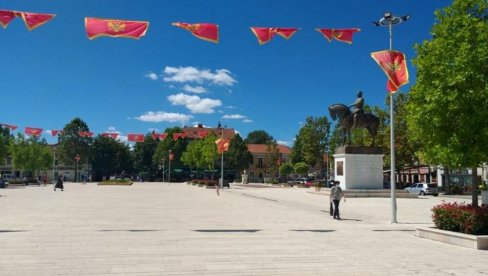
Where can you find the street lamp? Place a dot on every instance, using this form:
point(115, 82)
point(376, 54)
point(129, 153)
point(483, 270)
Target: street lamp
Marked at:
point(163, 160)
point(389, 20)
point(77, 158)
point(54, 164)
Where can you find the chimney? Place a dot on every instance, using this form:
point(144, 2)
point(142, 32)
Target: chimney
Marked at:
point(200, 125)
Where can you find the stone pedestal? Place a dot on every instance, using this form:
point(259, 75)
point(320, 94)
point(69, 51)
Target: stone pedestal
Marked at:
point(359, 167)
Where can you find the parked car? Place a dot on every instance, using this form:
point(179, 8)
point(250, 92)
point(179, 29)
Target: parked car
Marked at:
point(423, 189)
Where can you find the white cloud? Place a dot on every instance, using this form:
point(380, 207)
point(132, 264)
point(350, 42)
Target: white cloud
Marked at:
point(151, 75)
point(194, 103)
point(283, 143)
point(192, 74)
point(234, 116)
point(194, 89)
point(120, 137)
point(247, 121)
point(161, 116)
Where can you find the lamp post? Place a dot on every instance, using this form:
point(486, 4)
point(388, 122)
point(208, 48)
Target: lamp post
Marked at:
point(77, 158)
point(389, 20)
point(171, 156)
point(163, 160)
point(54, 164)
point(222, 165)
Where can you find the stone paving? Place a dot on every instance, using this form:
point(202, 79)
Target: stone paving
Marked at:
point(179, 229)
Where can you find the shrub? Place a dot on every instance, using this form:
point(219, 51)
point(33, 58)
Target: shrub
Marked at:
point(461, 217)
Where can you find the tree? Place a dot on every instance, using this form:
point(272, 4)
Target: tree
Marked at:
point(238, 157)
point(258, 137)
point(5, 138)
point(30, 155)
point(271, 158)
point(447, 110)
point(110, 157)
point(177, 148)
point(286, 169)
point(301, 168)
point(313, 140)
point(72, 144)
point(143, 157)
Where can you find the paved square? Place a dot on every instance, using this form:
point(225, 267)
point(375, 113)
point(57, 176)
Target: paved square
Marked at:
point(179, 229)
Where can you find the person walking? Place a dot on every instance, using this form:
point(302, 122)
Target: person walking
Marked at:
point(335, 197)
point(59, 183)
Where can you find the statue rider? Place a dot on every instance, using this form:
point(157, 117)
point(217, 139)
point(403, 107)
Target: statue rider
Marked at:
point(358, 111)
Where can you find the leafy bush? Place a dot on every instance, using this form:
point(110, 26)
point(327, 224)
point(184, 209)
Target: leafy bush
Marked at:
point(461, 217)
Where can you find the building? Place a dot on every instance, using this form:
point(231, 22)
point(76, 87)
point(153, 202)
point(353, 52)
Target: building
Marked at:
point(258, 168)
point(199, 132)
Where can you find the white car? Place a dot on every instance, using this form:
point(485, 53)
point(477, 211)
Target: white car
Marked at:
point(423, 189)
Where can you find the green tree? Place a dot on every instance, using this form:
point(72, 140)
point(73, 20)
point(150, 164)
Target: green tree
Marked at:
point(271, 158)
point(301, 168)
point(258, 137)
point(447, 110)
point(31, 154)
point(144, 157)
point(110, 157)
point(313, 140)
point(5, 138)
point(238, 157)
point(177, 148)
point(286, 169)
point(72, 144)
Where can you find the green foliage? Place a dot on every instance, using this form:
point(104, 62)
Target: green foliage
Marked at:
point(5, 138)
point(259, 137)
point(238, 157)
point(447, 111)
point(71, 143)
point(286, 169)
point(177, 148)
point(110, 157)
point(311, 142)
point(459, 217)
point(301, 168)
point(144, 155)
point(201, 154)
point(30, 154)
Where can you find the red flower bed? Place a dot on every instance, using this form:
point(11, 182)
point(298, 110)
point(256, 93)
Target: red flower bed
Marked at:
point(461, 217)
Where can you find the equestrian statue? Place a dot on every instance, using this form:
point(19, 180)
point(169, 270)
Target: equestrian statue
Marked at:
point(348, 119)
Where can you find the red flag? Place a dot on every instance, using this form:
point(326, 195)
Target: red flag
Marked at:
point(31, 20)
point(176, 136)
point(55, 132)
point(205, 31)
point(171, 156)
point(395, 67)
point(344, 35)
point(202, 134)
point(6, 17)
point(85, 134)
point(34, 20)
point(222, 145)
point(135, 137)
point(111, 135)
point(155, 136)
point(115, 28)
point(11, 127)
point(163, 136)
point(33, 131)
point(264, 35)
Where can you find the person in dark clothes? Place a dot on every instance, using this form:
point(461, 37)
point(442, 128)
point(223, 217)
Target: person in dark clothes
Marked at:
point(59, 183)
point(335, 196)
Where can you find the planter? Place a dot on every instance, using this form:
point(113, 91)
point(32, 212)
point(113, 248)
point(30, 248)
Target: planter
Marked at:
point(113, 183)
point(460, 239)
point(484, 197)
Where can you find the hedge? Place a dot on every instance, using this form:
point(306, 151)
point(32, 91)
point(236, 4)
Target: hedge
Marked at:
point(461, 217)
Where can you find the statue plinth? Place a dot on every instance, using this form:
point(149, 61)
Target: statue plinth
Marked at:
point(358, 167)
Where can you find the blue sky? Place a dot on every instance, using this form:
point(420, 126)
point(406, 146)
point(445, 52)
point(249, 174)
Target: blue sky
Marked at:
point(170, 78)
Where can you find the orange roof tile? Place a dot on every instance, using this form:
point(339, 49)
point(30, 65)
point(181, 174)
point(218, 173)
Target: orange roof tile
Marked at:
point(261, 148)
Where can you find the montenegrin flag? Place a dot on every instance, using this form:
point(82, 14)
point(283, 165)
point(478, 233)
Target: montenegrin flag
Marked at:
point(96, 27)
point(344, 35)
point(55, 132)
point(264, 35)
point(205, 31)
point(222, 145)
point(85, 134)
point(178, 135)
point(31, 20)
point(110, 134)
point(33, 131)
point(395, 67)
point(139, 138)
point(11, 127)
point(161, 136)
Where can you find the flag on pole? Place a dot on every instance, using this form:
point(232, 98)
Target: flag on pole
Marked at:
point(139, 138)
point(205, 31)
point(11, 127)
point(96, 27)
point(264, 35)
point(222, 145)
point(31, 20)
point(344, 35)
point(32, 131)
point(395, 67)
point(110, 134)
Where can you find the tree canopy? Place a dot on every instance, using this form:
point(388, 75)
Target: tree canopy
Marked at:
point(258, 137)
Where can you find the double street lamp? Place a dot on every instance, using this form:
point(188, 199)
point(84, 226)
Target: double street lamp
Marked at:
point(389, 20)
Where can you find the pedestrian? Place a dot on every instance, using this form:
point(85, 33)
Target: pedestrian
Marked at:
point(335, 197)
point(59, 183)
point(83, 179)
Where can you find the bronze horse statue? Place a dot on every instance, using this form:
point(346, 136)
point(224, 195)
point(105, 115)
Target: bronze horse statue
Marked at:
point(345, 121)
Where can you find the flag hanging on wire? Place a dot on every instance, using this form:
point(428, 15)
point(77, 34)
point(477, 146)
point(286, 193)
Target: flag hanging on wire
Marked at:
point(110, 134)
point(178, 135)
point(96, 27)
point(139, 138)
point(31, 20)
point(343, 35)
point(85, 134)
point(33, 131)
point(55, 132)
point(395, 67)
point(264, 35)
point(205, 31)
point(11, 127)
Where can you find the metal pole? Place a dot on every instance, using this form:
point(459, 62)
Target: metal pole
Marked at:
point(392, 148)
point(54, 164)
point(169, 167)
point(222, 165)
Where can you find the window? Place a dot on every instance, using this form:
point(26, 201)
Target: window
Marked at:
point(260, 162)
point(252, 160)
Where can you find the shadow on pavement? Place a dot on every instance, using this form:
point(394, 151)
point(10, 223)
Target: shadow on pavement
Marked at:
point(227, 230)
point(312, 230)
point(13, 231)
